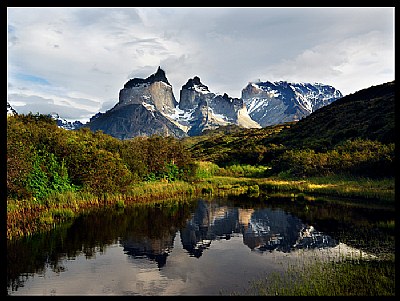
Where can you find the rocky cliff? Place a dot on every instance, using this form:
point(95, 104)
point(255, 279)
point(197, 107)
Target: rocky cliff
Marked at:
point(141, 110)
point(154, 91)
point(200, 109)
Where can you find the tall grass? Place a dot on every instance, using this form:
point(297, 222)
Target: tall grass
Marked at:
point(25, 217)
point(346, 278)
point(206, 169)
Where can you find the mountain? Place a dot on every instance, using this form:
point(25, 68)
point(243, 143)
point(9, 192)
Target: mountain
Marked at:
point(148, 106)
point(200, 110)
point(271, 103)
point(63, 123)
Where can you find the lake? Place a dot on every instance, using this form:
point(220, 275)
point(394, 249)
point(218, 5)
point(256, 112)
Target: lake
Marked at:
point(202, 246)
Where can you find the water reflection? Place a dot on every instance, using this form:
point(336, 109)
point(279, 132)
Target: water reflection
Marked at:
point(190, 230)
point(262, 229)
point(153, 249)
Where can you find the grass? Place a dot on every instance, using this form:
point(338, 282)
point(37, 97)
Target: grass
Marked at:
point(337, 185)
point(380, 190)
point(345, 278)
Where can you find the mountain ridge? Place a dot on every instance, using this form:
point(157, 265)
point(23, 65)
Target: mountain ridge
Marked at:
point(199, 109)
point(154, 109)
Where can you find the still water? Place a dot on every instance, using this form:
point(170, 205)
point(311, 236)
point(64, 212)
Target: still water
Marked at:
point(197, 247)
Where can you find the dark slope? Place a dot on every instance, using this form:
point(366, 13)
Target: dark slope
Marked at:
point(367, 114)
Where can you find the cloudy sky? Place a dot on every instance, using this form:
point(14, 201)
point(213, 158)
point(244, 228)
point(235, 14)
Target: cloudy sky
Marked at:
point(74, 61)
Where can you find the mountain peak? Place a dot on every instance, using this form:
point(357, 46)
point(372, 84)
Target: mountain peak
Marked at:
point(159, 76)
point(195, 84)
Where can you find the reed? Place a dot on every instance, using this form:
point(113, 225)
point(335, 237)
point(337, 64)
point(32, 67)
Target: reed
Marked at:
point(351, 277)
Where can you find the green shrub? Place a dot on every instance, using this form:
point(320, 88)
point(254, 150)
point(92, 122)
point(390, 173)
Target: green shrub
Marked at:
point(244, 170)
point(205, 169)
point(253, 190)
point(120, 204)
point(48, 175)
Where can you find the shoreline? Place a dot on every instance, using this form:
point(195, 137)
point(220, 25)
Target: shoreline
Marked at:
point(25, 217)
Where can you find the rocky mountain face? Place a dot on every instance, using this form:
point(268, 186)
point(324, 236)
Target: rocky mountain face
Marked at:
point(141, 111)
point(200, 110)
point(148, 106)
point(271, 103)
point(153, 91)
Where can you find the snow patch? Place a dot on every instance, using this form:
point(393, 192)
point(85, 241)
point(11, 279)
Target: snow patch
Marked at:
point(148, 106)
point(201, 89)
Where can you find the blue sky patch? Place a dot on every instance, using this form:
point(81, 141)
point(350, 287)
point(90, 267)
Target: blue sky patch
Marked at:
point(32, 78)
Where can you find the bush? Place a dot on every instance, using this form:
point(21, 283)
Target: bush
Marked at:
point(104, 172)
point(47, 175)
point(358, 157)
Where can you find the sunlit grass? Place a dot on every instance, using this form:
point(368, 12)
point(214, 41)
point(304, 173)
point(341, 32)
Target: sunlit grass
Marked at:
point(379, 189)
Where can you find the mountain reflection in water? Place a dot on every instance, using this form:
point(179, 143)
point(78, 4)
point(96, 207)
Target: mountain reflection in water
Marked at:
point(262, 229)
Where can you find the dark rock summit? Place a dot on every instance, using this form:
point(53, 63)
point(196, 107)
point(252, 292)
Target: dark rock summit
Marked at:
point(159, 76)
point(141, 110)
point(10, 110)
point(204, 110)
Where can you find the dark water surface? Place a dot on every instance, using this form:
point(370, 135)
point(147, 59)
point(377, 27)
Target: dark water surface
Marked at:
point(198, 247)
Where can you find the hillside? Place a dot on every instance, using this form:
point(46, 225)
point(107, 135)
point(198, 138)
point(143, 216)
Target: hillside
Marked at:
point(366, 114)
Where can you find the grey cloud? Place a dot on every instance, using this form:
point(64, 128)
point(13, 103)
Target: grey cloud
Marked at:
point(36, 104)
